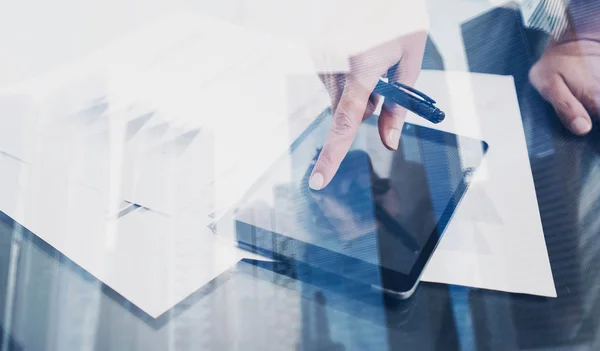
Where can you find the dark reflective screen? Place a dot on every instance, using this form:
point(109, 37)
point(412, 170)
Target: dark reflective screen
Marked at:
point(382, 209)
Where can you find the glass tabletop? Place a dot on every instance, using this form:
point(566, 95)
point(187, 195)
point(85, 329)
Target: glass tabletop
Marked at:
point(47, 302)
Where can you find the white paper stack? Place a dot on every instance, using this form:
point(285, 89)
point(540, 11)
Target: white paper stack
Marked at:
point(166, 112)
point(121, 161)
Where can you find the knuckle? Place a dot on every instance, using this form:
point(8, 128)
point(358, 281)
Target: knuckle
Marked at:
point(564, 105)
point(591, 100)
point(544, 87)
point(343, 124)
point(534, 71)
point(542, 79)
point(588, 101)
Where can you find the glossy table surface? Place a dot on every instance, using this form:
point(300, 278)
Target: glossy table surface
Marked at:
point(49, 303)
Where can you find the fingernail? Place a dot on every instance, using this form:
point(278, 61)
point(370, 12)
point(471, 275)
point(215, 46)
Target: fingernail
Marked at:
point(316, 181)
point(580, 125)
point(393, 138)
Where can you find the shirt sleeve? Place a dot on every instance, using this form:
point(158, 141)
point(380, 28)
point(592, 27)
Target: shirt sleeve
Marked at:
point(550, 16)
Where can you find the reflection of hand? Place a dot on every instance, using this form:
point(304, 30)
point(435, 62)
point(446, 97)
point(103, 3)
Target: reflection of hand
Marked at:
point(341, 206)
point(352, 99)
point(357, 202)
point(568, 76)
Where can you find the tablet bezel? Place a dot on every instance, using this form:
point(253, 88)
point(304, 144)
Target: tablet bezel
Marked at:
point(389, 280)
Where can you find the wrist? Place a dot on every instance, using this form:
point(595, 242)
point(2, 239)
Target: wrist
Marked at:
point(579, 44)
point(573, 33)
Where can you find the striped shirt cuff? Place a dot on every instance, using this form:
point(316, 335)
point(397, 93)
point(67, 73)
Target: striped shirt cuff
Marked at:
point(546, 15)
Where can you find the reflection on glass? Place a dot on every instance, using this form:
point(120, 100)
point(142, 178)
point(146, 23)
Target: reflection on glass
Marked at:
point(380, 210)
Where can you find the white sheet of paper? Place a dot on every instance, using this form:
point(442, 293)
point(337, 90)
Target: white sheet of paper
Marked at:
point(231, 88)
point(154, 261)
point(79, 167)
point(140, 255)
point(222, 87)
point(501, 247)
point(17, 121)
point(495, 239)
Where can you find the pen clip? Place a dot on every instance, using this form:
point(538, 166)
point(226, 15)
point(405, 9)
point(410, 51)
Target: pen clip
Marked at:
point(415, 91)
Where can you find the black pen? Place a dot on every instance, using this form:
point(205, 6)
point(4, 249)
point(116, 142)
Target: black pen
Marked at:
point(411, 99)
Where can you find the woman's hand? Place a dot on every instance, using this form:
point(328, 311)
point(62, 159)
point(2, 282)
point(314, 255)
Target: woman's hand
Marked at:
point(352, 100)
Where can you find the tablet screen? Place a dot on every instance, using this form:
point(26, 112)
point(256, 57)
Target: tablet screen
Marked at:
point(382, 210)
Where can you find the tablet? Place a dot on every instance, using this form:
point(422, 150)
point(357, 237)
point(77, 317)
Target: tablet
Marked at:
point(379, 220)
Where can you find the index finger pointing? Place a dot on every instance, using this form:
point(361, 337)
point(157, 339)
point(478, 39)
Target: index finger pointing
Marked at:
point(346, 120)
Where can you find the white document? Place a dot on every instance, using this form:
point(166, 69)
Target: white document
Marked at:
point(60, 180)
point(152, 260)
point(495, 239)
point(152, 121)
point(17, 113)
point(181, 103)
